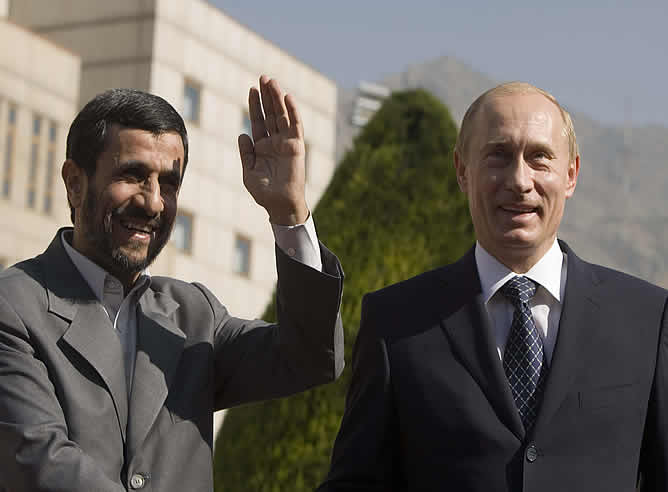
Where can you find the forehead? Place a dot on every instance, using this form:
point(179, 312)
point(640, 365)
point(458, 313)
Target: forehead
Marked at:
point(131, 144)
point(520, 115)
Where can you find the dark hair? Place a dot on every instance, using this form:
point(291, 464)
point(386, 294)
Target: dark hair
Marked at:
point(130, 108)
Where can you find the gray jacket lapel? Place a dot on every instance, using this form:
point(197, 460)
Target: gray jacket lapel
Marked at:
point(159, 346)
point(90, 332)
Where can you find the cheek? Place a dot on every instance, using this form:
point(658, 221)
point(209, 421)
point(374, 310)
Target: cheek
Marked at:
point(119, 195)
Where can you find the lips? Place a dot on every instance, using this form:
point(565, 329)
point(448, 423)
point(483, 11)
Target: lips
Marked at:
point(136, 226)
point(519, 209)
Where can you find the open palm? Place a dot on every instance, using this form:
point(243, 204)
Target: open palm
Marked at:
point(273, 160)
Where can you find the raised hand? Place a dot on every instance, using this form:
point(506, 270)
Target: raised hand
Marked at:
point(273, 161)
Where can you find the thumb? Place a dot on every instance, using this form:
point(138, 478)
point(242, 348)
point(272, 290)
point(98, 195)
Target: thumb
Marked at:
point(246, 152)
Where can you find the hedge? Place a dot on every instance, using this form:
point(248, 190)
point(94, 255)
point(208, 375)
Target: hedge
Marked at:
point(392, 210)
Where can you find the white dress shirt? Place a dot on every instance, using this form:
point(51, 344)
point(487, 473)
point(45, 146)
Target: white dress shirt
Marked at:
point(550, 275)
point(299, 242)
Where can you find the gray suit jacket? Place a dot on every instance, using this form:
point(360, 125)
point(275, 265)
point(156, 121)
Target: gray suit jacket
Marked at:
point(66, 421)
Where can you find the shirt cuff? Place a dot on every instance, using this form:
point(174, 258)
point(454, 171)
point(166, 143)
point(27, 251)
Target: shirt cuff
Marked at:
point(300, 242)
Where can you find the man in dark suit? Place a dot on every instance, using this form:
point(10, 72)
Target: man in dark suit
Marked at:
point(520, 367)
point(109, 377)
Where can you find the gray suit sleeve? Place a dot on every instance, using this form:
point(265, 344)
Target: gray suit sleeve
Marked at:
point(35, 451)
point(256, 360)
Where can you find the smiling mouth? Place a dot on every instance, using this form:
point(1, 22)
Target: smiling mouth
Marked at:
point(519, 210)
point(137, 229)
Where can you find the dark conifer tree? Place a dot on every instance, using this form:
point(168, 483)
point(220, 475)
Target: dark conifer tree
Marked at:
point(392, 210)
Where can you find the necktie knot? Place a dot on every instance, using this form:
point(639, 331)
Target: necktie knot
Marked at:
point(519, 290)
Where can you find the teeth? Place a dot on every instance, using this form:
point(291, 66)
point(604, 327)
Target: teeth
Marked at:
point(136, 227)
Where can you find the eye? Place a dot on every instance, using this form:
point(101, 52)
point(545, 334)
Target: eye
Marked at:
point(541, 155)
point(497, 156)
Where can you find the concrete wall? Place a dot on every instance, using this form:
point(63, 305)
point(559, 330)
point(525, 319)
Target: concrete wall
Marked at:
point(48, 89)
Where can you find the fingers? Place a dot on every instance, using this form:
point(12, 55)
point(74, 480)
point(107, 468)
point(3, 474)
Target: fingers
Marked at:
point(246, 152)
point(295, 119)
point(268, 105)
point(258, 128)
point(280, 112)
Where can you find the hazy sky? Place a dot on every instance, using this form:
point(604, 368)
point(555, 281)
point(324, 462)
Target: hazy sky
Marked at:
point(597, 57)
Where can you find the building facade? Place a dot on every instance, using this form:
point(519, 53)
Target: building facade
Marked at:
point(35, 112)
point(203, 62)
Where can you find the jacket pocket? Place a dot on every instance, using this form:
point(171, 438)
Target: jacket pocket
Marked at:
point(620, 395)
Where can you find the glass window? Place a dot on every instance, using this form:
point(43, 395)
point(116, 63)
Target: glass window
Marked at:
point(34, 161)
point(241, 260)
point(182, 234)
point(9, 152)
point(48, 180)
point(191, 102)
point(50, 169)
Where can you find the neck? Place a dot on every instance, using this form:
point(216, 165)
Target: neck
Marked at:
point(518, 260)
point(126, 278)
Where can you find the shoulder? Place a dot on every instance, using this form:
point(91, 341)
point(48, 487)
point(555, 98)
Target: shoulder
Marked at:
point(615, 280)
point(617, 291)
point(180, 290)
point(24, 281)
point(409, 291)
point(188, 295)
point(419, 303)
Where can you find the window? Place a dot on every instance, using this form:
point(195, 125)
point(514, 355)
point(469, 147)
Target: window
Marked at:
point(182, 234)
point(246, 124)
point(50, 169)
point(34, 161)
point(9, 151)
point(191, 101)
point(241, 260)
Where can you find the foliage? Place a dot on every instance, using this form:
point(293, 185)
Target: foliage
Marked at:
point(392, 210)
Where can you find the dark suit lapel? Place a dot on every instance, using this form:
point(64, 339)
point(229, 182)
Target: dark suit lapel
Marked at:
point(159, 346)
point(90, 333)
point(578, 314)
point(471, 338)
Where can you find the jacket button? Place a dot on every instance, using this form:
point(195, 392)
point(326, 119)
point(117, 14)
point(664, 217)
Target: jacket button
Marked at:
point(137, 481)
point(531, 454)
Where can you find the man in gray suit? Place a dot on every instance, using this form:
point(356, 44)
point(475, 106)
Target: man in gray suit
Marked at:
point(109, 377)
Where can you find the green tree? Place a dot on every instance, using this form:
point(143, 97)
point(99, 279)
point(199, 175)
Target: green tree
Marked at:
point(392, 210)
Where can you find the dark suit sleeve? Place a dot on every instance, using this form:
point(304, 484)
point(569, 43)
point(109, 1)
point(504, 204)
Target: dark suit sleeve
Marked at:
point(258, 361)
point(654, 453)
point(363, 456)
point(35, 451)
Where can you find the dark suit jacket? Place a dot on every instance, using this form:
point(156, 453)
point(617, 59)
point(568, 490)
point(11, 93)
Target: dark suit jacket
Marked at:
point(66, 422)
point(429, 407)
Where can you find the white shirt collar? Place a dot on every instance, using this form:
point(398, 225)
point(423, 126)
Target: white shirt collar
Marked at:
point(102, 283)
point(546, 272)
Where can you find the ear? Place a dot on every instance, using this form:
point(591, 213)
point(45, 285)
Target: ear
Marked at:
point(460, 170)
point(572, 177)
point(75, 180)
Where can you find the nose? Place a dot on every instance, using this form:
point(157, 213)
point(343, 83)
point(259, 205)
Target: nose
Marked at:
point(520, 176)
point(150, 198)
